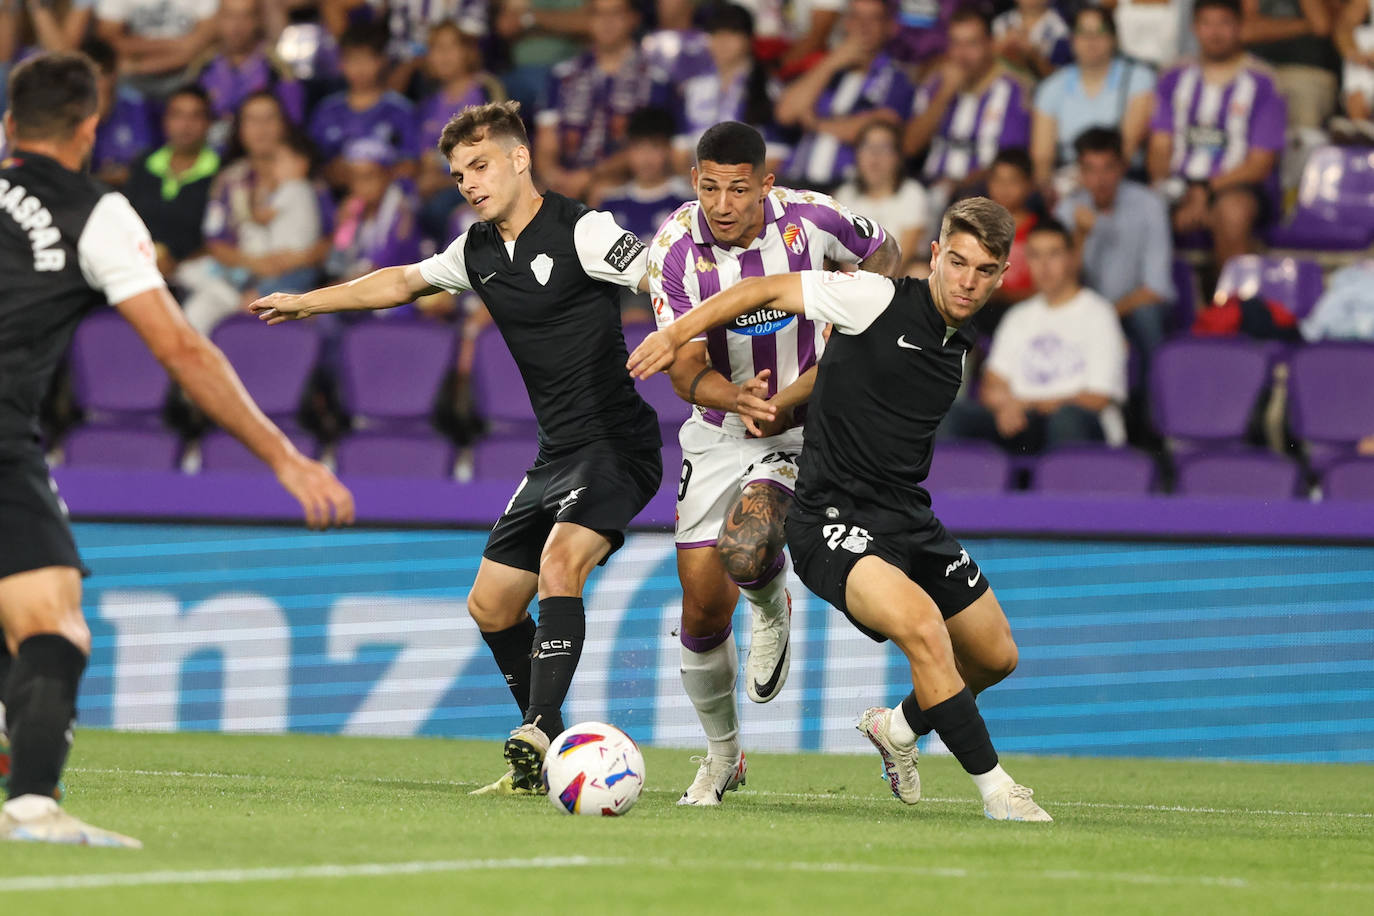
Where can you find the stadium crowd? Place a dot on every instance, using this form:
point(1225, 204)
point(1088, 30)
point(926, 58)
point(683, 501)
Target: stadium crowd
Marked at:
point(1151, 151)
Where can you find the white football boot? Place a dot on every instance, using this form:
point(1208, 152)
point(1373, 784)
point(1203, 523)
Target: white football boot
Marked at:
point(525, 750)
point(716, 776)
point(1014, 803)
point(899, 763)
point(35, 819)
point(770, 653)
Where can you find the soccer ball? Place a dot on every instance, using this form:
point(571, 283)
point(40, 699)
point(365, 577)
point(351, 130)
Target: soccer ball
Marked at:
point(593, 768)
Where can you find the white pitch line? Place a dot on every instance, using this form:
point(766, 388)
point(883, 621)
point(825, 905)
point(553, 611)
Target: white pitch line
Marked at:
point(385, 869)
point(764, 793)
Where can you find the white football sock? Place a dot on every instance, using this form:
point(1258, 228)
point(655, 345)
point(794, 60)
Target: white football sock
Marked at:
point(709, 679)
point(899, 730)
point(992, 782)
point(770, 599)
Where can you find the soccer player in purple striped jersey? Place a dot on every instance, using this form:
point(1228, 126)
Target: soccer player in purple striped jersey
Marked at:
point(748, 383)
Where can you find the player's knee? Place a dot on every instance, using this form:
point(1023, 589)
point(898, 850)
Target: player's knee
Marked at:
point(489, 614)
point(561, 574)
point(1004, 659)
point(50, 616)
point(921, 637)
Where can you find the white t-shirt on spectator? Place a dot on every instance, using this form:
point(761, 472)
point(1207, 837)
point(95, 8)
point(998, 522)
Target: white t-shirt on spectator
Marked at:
point(909, 208)
point(1051, 352)
point(157, 18)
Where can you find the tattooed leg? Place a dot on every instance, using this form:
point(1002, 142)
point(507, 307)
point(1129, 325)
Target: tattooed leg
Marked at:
point(752, 538)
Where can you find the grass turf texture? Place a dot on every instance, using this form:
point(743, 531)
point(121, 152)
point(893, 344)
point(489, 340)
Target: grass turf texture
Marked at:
point(809, 834)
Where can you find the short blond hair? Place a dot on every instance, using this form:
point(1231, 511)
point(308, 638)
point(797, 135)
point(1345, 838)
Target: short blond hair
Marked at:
point(987, 221)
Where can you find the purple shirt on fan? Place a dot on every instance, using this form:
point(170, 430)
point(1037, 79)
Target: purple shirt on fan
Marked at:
point(677, 55)
point(126, 134)
point(922, 29)
point(975, 127)
point(821, 158)
point(1214, 127)
point(391, 120)
point(388, 237)
point(591, 108)
point(641, 210)
point(228, 85)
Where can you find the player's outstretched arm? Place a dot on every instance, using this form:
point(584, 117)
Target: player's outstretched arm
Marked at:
point(381, 289)
point(659, 349)
point(199, 367)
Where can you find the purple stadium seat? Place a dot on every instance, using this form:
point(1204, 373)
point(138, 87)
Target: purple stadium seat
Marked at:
point(390, 372)
point(1350, 480)
point(497, 387)
point(1331, 398)
point(1207, 388)
point(274, 363)
point(1293, 283)
point(114, 376)
point(1185, 293)
point(1255, 473)
point(381, 455)
point(122, 447)
point(1094, 470)
point(1335, 208)
point(503, 457)
point(968, 466)
point(220, 451)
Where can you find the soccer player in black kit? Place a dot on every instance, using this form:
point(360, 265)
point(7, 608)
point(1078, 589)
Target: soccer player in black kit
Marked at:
point(69, 244)
point(862, 533)
point(549, 271)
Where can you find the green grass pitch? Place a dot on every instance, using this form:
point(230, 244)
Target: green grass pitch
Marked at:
point(304, 824)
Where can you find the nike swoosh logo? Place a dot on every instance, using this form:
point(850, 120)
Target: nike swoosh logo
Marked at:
point(974, 581)
point(767, 689)
point(901, 342)
point(487, 278)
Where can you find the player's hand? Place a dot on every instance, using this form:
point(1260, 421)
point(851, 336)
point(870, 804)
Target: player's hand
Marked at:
point(1010, 420)
point(279, 307)
point(326, 501)
point(655, 354)
point(753, 406)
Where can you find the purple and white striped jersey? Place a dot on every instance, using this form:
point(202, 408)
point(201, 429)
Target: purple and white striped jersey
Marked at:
point(1215, 126)
point(801, 229)
point(975, 127)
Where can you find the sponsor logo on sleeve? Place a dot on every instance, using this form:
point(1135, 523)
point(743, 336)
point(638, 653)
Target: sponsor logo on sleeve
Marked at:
point(624, 252)
point(864, 226)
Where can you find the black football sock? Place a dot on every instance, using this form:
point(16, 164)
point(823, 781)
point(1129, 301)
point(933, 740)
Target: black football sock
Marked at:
point(42, 710)
point(911, 711)
point(557, 649)
point(960, 726)
point(511, 648)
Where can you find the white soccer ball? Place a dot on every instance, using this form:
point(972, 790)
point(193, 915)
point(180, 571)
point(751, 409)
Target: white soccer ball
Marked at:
point(594, 768)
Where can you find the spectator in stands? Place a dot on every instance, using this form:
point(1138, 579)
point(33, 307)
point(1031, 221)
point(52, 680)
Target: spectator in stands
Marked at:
point(579, 140)
point(1032, 36)
point(677, 49)
point(736, 87)
point(243, 65)
point(1100, 89)
point(29, 26)
point(881, 191)
point(540, 34)
point(807, 29)
point(966, 112)
point(170, 187)
point(855, 85)
point(377, 222)
point(126, 128)
point(453, 64)
point(157, 40)
point(1057, 371)
point(1355, 39)
point(1216, 135)
point(1294, 37)
point(654, 191)
point(263, 225)
point(1122, 229)
point(1010, 184)
point(366, 108)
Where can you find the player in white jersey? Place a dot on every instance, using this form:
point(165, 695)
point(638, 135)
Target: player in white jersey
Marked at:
point(748, 384)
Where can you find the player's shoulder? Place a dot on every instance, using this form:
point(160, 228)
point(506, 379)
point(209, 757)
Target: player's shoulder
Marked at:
point(675, 228)
point(818, 208)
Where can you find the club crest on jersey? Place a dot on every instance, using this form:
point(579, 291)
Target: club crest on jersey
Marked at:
point(794, 240)
point(761, 323)
point(542, 267)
